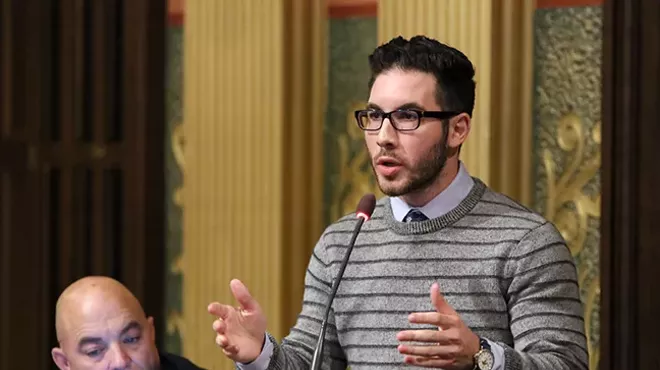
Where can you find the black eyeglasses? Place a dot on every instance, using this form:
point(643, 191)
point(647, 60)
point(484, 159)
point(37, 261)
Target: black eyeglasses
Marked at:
point(401, 119)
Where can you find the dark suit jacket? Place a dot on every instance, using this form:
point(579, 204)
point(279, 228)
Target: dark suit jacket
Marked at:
point(169, 361)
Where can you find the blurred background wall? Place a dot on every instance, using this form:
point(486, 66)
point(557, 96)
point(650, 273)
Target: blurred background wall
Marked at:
point(174, 143)
point(535, 134)
point(82, 122)
point(177, 144)
point(568, 47)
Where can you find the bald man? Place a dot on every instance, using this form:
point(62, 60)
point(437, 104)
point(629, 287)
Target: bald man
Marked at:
point(101, 325)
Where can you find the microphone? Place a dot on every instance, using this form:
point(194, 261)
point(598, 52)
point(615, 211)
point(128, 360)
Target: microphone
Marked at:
point(364, 210)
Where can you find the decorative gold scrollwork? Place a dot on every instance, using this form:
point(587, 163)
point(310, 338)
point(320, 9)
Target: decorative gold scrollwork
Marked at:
point(355, 173)
point(178, 142)
point(174, 320)
point(573, 210)
point(572, 221)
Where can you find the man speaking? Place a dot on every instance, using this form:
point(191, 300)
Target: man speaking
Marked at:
point(447, 273)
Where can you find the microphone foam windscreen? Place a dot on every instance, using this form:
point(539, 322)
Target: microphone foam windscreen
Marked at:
point(367, 205)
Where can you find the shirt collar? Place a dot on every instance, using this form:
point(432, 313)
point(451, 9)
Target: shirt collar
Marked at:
point(444, 202)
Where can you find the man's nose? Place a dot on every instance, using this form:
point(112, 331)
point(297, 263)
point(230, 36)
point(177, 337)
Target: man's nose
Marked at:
point(388, 135)
point(119, 358)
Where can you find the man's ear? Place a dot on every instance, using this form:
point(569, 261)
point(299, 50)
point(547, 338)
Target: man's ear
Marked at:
point(459, 130)
point(152, 328)
point(60, 359)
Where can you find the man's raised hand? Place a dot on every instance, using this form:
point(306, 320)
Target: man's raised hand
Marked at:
point(452, 346)
point(240, 331)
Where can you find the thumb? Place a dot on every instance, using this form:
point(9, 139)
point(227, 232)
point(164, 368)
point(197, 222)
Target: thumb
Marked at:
point(439, 301)
point(242, 295)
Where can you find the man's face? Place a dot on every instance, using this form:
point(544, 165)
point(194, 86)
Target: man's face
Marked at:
point(406, 162)
point(107, 336)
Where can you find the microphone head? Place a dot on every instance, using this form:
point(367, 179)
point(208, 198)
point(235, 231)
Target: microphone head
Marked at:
point(366, 206)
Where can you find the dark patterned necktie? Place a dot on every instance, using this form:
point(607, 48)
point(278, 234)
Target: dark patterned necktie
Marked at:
point(414, 216)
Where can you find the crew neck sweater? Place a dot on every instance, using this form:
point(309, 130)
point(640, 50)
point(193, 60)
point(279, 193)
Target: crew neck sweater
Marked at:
point(506, 271)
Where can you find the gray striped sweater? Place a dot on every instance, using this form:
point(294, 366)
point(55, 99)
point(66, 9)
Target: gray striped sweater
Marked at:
point(503, 268)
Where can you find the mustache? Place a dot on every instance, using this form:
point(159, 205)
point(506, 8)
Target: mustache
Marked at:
point(388, 154)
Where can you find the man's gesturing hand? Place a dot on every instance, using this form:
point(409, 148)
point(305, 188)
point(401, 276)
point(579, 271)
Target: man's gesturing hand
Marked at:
point(240, 331)
point(451, 347)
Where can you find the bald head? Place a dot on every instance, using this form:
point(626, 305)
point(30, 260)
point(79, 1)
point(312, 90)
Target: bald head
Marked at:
point(87, 296)
point(100, 323)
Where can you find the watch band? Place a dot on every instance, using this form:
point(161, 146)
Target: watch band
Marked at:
point(484, 343)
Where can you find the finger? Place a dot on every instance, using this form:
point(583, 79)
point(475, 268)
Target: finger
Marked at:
point(440, 320)
point(219, 326)
point(439, 301)
point(220, 310)
point(430, 362)
point(230, 352)
point(222, 341)
point(242, 295)
point(442, 352)
point(430, 336)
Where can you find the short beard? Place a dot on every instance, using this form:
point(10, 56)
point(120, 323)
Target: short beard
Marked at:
point(423, 175)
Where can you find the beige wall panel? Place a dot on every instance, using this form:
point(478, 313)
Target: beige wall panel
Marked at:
point(233, 181)
point(254, 101)
point(511, 102)
point(305, 87)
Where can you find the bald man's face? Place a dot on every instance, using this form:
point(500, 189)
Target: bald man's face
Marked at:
point(105, 332)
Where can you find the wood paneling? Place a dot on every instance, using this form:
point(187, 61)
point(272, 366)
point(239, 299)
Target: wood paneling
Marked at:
point(630, 250)
point(81, 175)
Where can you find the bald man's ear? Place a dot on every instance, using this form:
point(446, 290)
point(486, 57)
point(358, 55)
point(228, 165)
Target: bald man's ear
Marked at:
point(60, 359)
point(152, 329)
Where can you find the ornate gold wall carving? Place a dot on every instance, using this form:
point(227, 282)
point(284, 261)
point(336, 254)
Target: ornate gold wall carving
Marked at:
point(173, 181)
point(253, 106)
point(355, 175)
point(178, 144)
point(567, 111)
point(348, 171)
point(465, 25)
point(575, 210)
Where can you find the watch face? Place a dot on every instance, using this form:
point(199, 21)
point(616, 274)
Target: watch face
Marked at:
point(485, 360)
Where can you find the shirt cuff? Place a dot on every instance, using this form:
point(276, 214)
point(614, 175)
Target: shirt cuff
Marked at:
point(498, 354)
point(261, 362)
